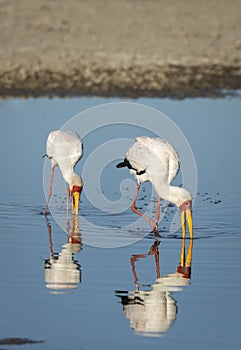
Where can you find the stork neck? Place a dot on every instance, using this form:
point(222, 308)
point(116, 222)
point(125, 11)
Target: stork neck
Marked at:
point(68, 175)
point(71, 177)
point(173, 194)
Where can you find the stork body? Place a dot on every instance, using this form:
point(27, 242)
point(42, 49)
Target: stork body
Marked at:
point(64, 149)
point(155, 160)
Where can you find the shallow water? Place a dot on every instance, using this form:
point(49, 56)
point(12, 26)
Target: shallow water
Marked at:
point(77, 295)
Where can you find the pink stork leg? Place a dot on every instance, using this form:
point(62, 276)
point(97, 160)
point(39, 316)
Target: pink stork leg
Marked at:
point(133, 208)
point(49, 191)
point(153, 251)
point(158, 211)
point(67, 198)
point(50, 238)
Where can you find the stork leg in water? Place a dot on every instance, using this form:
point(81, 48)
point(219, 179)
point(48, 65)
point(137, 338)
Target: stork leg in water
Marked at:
point(67, 198)
point(158, 210)
point(135, 210)
point(49, 191)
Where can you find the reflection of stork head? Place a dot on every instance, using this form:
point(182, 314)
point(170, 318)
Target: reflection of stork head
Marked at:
point(185, 271)
point(76, 246)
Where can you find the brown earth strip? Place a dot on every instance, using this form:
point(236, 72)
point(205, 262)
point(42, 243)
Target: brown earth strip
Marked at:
point(119, 47)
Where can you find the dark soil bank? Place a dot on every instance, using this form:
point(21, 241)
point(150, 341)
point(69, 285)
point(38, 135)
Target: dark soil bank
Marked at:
point(119, 47)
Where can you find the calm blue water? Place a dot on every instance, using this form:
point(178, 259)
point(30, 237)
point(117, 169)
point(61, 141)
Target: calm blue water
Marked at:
point(78, 295)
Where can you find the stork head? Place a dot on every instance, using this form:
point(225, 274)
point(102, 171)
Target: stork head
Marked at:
point(76, 188)
point(183, 200)
point(76, 191)
point(186, 215)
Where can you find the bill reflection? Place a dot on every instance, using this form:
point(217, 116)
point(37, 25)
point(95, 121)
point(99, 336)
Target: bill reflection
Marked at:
point(62, 273)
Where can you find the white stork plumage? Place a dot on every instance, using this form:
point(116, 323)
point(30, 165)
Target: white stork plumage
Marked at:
point(155, 160)
point(65, 148)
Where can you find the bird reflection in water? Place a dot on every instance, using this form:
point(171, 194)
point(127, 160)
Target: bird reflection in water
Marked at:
point(61, 271)
point(151, 309)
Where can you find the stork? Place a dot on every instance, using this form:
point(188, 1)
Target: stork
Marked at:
point(156, 160)
point(65, 148)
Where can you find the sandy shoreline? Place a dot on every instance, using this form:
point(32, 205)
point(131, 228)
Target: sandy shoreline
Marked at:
point(119, 48)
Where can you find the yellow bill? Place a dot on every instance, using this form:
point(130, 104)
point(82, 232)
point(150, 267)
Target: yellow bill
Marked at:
point(75, 202)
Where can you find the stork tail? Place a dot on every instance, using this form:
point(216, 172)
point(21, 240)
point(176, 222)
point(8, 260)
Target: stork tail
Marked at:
point(123, 164)
point(129, 166)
